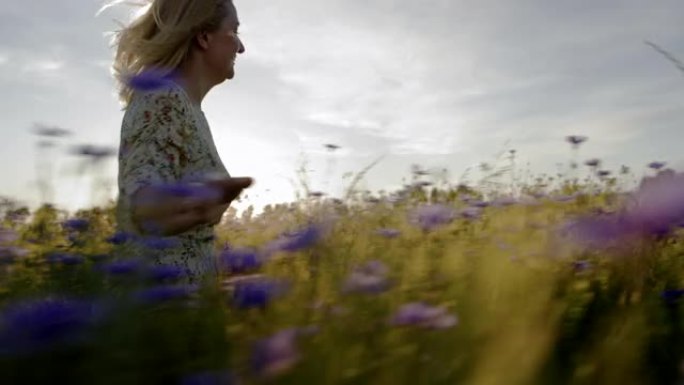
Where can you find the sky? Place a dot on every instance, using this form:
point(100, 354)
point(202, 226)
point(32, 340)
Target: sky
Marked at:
point(445, 84)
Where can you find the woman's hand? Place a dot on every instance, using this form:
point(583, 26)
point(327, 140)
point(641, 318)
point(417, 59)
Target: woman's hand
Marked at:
point(173, 210)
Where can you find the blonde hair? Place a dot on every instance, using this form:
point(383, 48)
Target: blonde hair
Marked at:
point(162, 37)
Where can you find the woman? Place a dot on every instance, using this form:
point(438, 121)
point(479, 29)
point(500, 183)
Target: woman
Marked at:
point(189, 46)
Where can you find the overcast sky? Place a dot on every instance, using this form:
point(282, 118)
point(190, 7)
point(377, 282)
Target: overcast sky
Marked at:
point(440, 83)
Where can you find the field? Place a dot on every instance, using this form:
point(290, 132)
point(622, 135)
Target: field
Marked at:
point(427, 285)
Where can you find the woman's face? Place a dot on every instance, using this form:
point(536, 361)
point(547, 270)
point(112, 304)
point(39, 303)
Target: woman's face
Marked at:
point(224, 46)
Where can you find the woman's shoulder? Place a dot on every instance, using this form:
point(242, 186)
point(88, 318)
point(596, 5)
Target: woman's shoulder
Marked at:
point(170, 96)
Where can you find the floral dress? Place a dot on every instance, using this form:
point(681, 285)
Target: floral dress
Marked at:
point(165, 138)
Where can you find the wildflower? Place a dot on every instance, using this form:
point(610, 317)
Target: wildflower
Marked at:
point(672, 296)
point(603, 173)
point(656, 165)
point(368, 278)
point(165, 293)
point(276, 354)
point(42, 324)
point(9, 254)
point(332, 147)
point(388, 233)
point(575, 140)
point(76, 224)
point(256, 292)
point(237, 261)
point(471, 212)
point(428, 217)
point(598, 231)
point(151, 79)
point(120, 237)
point(504, 201)
point(159, 243)
point(316, 194)
point(423, 315)
point(165, 273)
point(659, 203)
point(593, 162)
point(66, 259)
point(296, 240)
point(8, 236)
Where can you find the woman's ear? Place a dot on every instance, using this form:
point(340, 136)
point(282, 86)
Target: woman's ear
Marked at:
point(202, 40)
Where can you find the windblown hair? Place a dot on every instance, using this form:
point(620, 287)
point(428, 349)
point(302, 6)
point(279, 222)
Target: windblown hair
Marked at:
point(162, 37)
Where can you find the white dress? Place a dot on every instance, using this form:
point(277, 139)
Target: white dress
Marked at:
point(165, 138)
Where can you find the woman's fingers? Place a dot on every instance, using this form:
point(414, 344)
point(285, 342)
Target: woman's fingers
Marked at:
point(231, 187)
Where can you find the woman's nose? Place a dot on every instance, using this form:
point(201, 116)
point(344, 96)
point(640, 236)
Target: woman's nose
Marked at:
point(241, 47)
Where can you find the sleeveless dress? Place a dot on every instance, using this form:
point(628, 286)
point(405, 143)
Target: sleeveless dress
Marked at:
point(165, 138)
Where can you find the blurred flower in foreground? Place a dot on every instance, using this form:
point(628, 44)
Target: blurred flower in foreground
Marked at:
point(65, 259)
point(423, 315)
point(76, 224)
point(656, 165)
point(672, 296)
point(150, 79)
point(388, 233)
point(8, 236)
point(120, 237)
point(575, 140)
point(116, 268)
point(36, 325)
point(209, 378)
point(276, 354)
point(238, 261)
point(9, 254)
point(370, 277)
point(165, 273)
point(256, 291)
point(431, 216)
point(297, 240)
point(471, 212)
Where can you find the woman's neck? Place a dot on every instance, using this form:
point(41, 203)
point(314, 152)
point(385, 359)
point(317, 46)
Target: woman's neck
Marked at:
point(196, 86)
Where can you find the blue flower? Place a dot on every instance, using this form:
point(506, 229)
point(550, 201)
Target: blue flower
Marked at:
point(576, 140)
point(40, 324)
point(671, 296)
point(237, 261)
point(368, 278)
point(388, 233)
point(431, 216)
point(275, 354)
point(120, 237)
point(656, 165)
point(165, 273)
point(296, 240)
point(423, 315)
point(76, 224)
point(159, 243)
point(9, 254)
point(66, 259)
point(256, 292)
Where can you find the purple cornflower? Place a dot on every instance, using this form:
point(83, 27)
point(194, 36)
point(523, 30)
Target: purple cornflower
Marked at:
point(238, 261)
point(423, 315)
point(8, 236)
point(151, 79)
point(332, 147)
point(504, 201)
point(431, 216)
point(575, 140)
point(159, 243)
point(656, 165)
point(76, 224)
point(672, 296)
point(599, 231)
point(209, 378)
point(120, 237)
point(603, 173)
point(276, 354)
point(477, 203)
point(9, 254)
point(165, 273)
point(593, 162)
point(368, 278)
point(165, 293)
point(659, 203)
point(256, 292)
point(388, 233)
point(471, 213)
point(65, 259)
point(297, 240)
point(42, 324)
